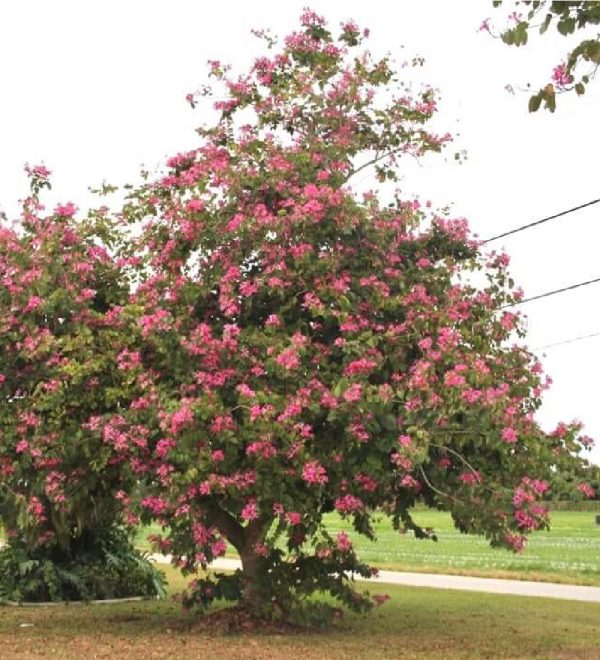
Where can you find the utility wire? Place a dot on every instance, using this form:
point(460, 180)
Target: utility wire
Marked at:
point(552, 293)
point(539, 222)
point(568, 341)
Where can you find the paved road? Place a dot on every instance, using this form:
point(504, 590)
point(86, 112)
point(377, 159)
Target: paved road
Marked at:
point(489, 585)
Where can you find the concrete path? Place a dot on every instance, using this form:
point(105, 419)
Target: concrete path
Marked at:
point(436, 581)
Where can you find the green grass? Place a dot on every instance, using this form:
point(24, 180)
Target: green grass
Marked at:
point(416, 623)
point(569, 552)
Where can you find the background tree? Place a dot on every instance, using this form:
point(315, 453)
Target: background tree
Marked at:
point(303, 349)
point(63, 365)
point(579, 66)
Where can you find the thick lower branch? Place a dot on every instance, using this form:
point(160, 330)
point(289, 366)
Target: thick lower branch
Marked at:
point(229, 527)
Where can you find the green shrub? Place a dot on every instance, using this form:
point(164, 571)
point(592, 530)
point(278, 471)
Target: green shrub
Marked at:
point(111, 569)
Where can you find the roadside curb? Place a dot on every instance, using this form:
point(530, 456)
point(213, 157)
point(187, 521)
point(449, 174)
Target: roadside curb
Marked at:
point(76, 603)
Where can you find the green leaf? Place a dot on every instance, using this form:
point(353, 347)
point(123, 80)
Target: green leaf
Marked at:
point(566, 26)
point(508, 37)
point(546, 23)
point(580, 89)
point(534, 102)
point(389, 422)
point(521, 34)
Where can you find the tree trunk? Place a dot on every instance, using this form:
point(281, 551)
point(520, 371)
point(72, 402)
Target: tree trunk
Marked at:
point(252, 598)
point(244, 540)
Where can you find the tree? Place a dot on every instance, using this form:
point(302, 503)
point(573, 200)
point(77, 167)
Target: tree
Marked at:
point(62, 366)
point(579, 66)
point(303, 350)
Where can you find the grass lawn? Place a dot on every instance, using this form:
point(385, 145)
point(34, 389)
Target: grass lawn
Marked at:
point(569, 552)
point(416, 623)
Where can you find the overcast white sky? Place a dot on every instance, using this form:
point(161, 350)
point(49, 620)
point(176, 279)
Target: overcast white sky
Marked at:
point(96, 89)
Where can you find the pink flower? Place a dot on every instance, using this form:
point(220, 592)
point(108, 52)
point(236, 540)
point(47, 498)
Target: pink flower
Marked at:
point(359, 432)
point(526, 521)
point(293, 518)
point(155, 504)
point(344, 543)
point(401, 461)
point(65, 210)
point(33, 303)
point(453, 379)
point(362, 366)
point(348, 503)
point(539, 486)
point(366, 482)
point(128, 359)
point(246, 391)
point(273, 321)
point(522, 497)
point(181, 419)
point(471, 396)
point(36, 507)
point(509, 435)
point(586, 489)
point(261, 549)
point(164, 446)
point(218, 548)
point(38, 170)
point(218, 455)
point(288, 359)
point(425, 344)
point(408, 481)
point(195, 205)
point(314, 473)
point(263, 448)
point(249, 512)
point(328, 400)
point(353, 393)
point(248, 288)
point(561, 77)
point(509, 320)
point(516, 541)
point(470, 478)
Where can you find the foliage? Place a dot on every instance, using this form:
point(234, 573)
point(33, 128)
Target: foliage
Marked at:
point(300, 349)
point(111, 568)
point(62, 488)
point(580, 64)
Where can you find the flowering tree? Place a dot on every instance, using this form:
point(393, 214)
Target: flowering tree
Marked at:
point(59, 373)
point(580, 64)
point(301, 349)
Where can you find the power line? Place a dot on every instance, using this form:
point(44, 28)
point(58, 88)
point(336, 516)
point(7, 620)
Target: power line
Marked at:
point(568, 341)
point(539, 222)
point(552, 293)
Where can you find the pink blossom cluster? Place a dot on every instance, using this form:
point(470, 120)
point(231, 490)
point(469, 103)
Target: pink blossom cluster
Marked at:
point(348, 504)
point(314, 473)
point(561, 76)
